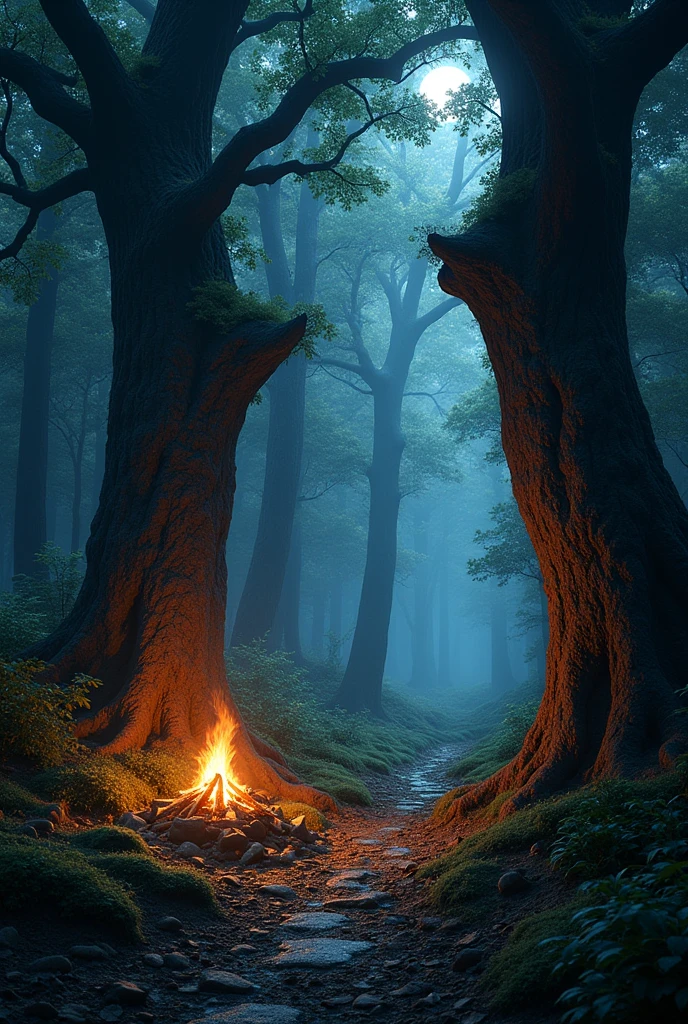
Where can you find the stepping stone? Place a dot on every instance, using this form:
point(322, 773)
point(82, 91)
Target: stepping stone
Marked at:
point(362, 901)
point(319, 952)
point(314, 922)
point(253, 1013)
point(280, 892)
point(223, 981)
point(397, 851)
point(390, 828)
point(357, 875)
point(368, 842)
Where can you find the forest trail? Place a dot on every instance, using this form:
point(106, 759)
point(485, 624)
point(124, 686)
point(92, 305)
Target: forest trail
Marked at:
point(348, 932)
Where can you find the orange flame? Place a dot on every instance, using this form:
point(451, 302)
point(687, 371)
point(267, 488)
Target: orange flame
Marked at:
point(216, 759)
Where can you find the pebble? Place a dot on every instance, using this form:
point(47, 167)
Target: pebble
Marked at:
point(176, 962)
point(131, 821)
point(9, 937)
point(51, 965)
point(512, 882)
point(41, 1011)
point(362, 901)
point(75, 1013)
point(253, 855)
point(396, 851)
point(473, 1018)
point(169, 924)
point(188, 850)
point(153, 960)
point(280, 892)
point(466, 959)
point(125, 993)
point(413, 988)
point(368, 842)
point(367, 1001)
point(243, 948)
point(88, 953)
point(431, 999)
point(287, 857)
point(223, 981)
point(334, 1001)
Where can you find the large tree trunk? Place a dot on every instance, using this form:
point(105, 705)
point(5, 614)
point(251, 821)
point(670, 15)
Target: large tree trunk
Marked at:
point(545, 278)
point(30, 530)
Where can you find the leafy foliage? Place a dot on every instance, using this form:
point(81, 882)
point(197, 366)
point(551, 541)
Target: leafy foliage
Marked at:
point(501, 197)
point(35, 716)
point(223, 307)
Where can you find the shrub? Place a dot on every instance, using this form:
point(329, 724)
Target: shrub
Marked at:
point(54, 879)
point(146, 875)
point(94, 783)
point(468, 890)
point(166, 772)
point(15, 798)
point(109, 840)
point(22, 623)
point(36, 717)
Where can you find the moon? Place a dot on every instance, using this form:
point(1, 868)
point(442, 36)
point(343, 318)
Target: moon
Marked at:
point(442, 80)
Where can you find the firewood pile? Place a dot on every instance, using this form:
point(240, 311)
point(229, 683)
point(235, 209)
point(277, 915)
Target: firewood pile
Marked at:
point(222, 822)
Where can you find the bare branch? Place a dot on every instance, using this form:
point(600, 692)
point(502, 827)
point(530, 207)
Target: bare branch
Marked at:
point(45, 90)
point(250, 29)
point(435, 314)
point(15, 246)
point(343, 380)
point(72, 184)
point(9, 159)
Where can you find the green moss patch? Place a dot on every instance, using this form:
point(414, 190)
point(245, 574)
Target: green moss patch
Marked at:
point(94, 783)
point(147, 876)
point(469, 890)
point(109, 840)
point(54, 879)
point(315, 819)
point(167, 772)
point(15, 798)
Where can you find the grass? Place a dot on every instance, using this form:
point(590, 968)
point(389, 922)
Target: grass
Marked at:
point(147, 876)
point(94, 783)
point(63, 881)
point(468, 890)
point(15, 798)
point(109, 839)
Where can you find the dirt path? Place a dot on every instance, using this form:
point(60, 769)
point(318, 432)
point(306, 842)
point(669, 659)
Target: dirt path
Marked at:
point(384, 952)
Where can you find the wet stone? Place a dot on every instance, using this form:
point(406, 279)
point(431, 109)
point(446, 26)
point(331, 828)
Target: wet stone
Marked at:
point(358, 901)
point(317, 921)
point(318, 952)
point(223, 981)
point(125, 993)
point(253, 1013)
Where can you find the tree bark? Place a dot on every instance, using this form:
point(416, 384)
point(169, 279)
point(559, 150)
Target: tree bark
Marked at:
point(30, 529)
point(545, 277)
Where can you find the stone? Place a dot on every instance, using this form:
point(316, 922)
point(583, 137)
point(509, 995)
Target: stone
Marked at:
point(412, 988)
point(512, 882)
point(253, 1013)
point(358, 901)
point(29, 831)
point(396, 851)
point(314, 921)
point(75, 1013)
point(335, 1001)
point(197, 862)
point(409, 867)
point(469, 939)
point(242, 949)
point(356, 876)
point(176, 962)
point(188, 850)
point(317, 952)
point(153, 960)
point(88, 953)
point(429, 924)
point(367, 1001)
point(41, 1011)
point(233, 842)
point(538, 849)
point(368, 842)
point(301, 831)
point(287, 857)
point(279, 892)
point(125, 993)
point(255, 831)
point(452, 924)
point(55, 809)
point(431, 999)
point(473, 1018)
point(466, 959)
point(112, 1012)
point(253, 855)
point(188, 830)
point(169, 924)
point(51, 965)
point(232, 880)
point(461, 1004)
point(9, 937)
point(223, 981)
point(131, 821)
point(42, 825)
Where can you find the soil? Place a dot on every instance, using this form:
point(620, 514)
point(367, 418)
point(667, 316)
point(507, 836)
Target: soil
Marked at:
point(408, 942)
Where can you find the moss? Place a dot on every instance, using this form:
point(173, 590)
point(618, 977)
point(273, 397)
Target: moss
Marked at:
point(14, 798)
point(333, 779)
point(444, 803)
point(501, 196)
point(590, 24)
point(166, 772)
point(520, 974)
point(146, 875)
point(314, 818)
point(95, 783)
point(109, 840)
point(223, 307)
point(469, 890)
point(60, 881)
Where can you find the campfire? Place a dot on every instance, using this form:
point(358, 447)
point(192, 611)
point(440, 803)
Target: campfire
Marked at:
point(221, 818)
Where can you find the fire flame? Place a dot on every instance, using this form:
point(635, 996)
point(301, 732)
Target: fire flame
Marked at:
point(216, 759)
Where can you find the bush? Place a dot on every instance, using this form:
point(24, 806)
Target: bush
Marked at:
point(630, 950)
point(109, 840)
point(166, 772)
point(36, 717)
point(16, 799)
point(146, 876)
point(94, 783)
point(22, 623)
point(468, 890)
point(36, 875)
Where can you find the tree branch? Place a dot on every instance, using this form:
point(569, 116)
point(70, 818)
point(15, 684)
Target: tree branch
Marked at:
point(15, 246)
point(213, 193)
point(9, 159)
point(249, 29)
point(144, 7)
point(342, 380)
point(45, 90)
point(71, 184)
point(435, 314)
point(649, 42)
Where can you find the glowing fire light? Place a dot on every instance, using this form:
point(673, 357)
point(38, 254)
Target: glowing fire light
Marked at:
point(215, 765)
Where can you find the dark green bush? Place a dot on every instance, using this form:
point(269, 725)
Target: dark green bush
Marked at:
point(148, 876)
point(109, 839)
point(94, 783)
point(22, 623)
point(15, 798)
point(52, 879)
point(36, 717)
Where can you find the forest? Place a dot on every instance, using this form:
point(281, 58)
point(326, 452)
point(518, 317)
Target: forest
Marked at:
point(343, 511)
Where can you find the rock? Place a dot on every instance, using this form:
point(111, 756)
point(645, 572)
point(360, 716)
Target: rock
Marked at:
point(461, 1004)
point(42, 825)
point(40, 1011)
point(512, 882)
point(111, 1012)
point(153, 960)
point(242, 949)
point(197, 862)
point(253, 1013)
point(452, 924)
point(473, 1018)
point(408, 867)
point(431, 999)
point(314, 921)
point(367, 1001)
point(88, 953)
point(279, 892)
point(75, 1013)
point(361, 901)
point(466, 959)
point(176, 962)
point(169, 924)
point(318, 952)
point(396, 851)
point(412, 988)
point(28, 830)
point(232, 880)
point(255, 831)
point(301, 831)
point(9, 937)
point(51, 965)
point(188, 830)
point(538, 849)
point(356, 876)
point(253, 855)
point(430, 924)
point(368, 842)
point(334, 1001)
point(287, 857)
point(131, 821)
point(125, 993)
point(188, 850)
point(223, 981)
point(469, 939)
point(233, 842)
point(55, 809)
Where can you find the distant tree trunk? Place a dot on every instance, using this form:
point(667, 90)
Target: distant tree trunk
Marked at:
point(423, 672)
point(292, 597)
point(335, 623)
point(30, 530)
point(443, 630)
point(502, 678)
point(545, 277)
point(318, 622)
